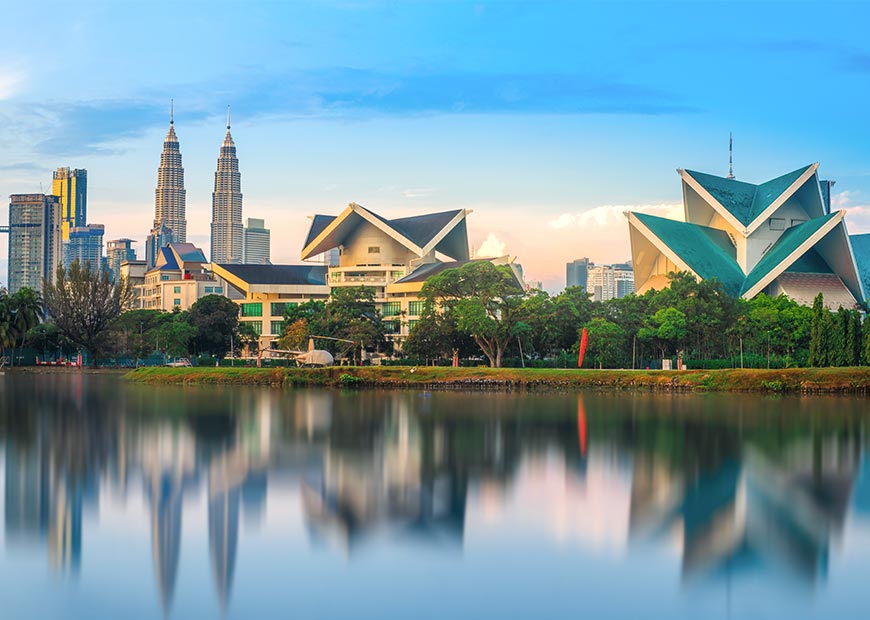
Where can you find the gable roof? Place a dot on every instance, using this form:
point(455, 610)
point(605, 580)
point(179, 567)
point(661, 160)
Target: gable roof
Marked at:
point(707, 251)
point(746, 202)
point(861, 252)
point(444, 232)
point(166, 260)
point(777, 257)
point(188, 252)
point(278, 274)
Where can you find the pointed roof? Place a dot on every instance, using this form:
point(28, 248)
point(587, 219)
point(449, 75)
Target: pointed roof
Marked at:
point(444, 232)
point(745, 203)
point(788, 249)
point(861, 252)
point(708, 252)
point(188, 252)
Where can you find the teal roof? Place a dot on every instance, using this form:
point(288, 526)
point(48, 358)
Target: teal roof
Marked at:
point(811, 262)
point(707, 251)
point(790, 240)
point(746, 201)
point(861, 251)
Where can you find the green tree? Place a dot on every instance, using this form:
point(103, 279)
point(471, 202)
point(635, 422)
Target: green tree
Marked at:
point(666, 329)
point(216, 320)
point(485, 301)
point(295, 336)
point(83, 302)
point(818, 335)
point(175, 334)
point(605, 342)
point(47, 339)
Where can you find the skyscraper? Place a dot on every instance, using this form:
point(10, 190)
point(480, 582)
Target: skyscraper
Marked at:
point(257, 244)
point(71, 187)
point(169, 197)
point(227, 233)
point(85, 245)
point(34, 240)
point(117, 251)
point(576, 273)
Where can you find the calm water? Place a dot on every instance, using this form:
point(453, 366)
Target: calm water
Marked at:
point(123, 501)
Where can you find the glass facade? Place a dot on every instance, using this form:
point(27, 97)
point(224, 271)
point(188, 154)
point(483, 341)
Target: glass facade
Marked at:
point(257, 325)
point(279, 308)
point(415, 308)
point(252, 309)
point(391, 308)
point(277, 328)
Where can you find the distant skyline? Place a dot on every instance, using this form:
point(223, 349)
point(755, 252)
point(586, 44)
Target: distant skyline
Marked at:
point(549, 119)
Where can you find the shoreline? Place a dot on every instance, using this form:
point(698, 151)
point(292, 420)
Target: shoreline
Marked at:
point(855, 380)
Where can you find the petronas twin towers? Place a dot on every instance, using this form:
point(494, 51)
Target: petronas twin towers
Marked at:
point(170, 223)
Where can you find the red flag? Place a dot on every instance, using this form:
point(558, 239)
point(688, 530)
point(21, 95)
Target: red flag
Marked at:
point(584, 340)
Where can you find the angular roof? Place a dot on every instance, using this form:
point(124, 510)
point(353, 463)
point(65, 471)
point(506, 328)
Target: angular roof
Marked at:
point(444, 232)
point(788, 243)
point(428, 270)
point(278, 274)
point(746, 202)
point(861, 252)
point(188, 252)
point(707, 251)
point(166, 260)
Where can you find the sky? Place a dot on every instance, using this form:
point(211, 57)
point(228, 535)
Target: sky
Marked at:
point(547, 119)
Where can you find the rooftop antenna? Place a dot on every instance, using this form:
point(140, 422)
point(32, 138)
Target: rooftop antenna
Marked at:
point(228, 118)
point(171, 111)
point(730, 160)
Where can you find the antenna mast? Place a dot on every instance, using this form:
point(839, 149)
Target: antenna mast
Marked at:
point(730, 160)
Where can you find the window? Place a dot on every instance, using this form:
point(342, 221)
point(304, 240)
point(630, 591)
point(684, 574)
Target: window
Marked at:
point(777, 223)
point(391, 327)
point(277, 328)
point(176, 290)
point(164, 278)
point(415, 308)
point(397, 275)
point(391, 308)
point(257, 325)
point(176, 302)
point(373, 249)
point(411, 325)
point(252, 309)
point(209, 289)
point(279, 308)
point(218, 290)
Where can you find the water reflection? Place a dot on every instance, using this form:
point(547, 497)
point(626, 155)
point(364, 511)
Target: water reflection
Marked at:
point(735, 487)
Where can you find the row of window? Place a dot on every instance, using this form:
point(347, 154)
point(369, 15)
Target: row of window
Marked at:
point(393, 308)
point(256, 308)
point(218, 290)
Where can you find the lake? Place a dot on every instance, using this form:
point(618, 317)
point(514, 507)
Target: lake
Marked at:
point(130, 501)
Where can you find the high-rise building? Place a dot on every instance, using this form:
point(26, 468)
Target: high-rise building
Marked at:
point(34, 240)
point(170, 225)
point(257, 244)
point(117, 251)
point(623, 278)
point(600, 282)
point(575, 273)
point(71, 188)
point(227, 232)
point(85, 245)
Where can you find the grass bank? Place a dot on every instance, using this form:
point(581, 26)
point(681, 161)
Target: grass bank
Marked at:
point(841, 380)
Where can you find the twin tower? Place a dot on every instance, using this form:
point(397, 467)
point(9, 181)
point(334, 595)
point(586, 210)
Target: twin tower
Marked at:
point(170, 223)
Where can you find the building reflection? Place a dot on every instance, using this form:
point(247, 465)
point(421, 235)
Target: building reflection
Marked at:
point(412, 467)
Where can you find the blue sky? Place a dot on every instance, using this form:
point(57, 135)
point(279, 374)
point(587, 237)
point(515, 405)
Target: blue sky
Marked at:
point(547, 118)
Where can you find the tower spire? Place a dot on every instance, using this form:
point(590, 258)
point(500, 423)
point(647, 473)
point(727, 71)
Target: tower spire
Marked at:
point(730, 159)
point(172, 111)
point(228, 117)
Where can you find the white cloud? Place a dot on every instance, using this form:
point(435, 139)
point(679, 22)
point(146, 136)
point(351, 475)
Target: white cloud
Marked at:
point(9, 81)
point(857, 215)
point(491, 247)
point(418, 193)
point(606, 216)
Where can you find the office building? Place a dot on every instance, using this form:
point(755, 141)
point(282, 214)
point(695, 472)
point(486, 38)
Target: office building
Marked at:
point(623, 280)
point(71, 188)
point(34, 240)
point(575, 273)
point(85, 245)
point(177, 280)
point(133, 271)
point(257, 243)
point(118, 251)
point(170, 223)
point(227, 232)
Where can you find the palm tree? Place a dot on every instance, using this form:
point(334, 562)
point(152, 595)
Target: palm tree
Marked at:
point(6, 330)
point(25, 312)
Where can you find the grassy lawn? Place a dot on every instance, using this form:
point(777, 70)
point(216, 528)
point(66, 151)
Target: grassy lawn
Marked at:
point(747, 380)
